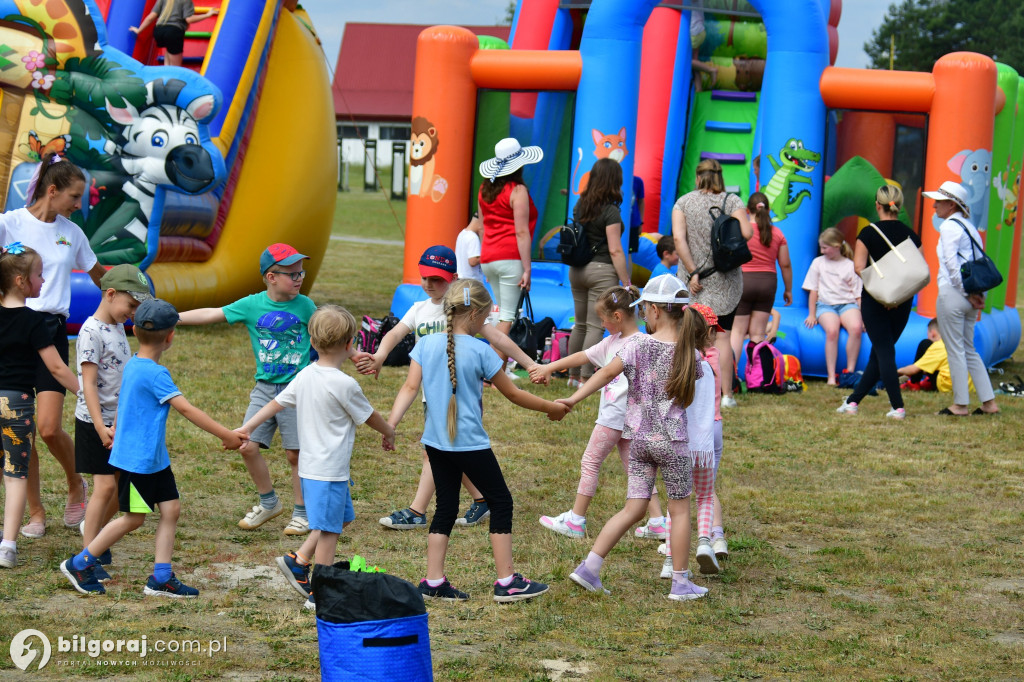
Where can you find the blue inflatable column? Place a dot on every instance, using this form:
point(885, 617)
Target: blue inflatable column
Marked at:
point(609, 88)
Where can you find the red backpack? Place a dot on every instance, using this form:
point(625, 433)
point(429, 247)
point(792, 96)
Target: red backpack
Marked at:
point(766, 368)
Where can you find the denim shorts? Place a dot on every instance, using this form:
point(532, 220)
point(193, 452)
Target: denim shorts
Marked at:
point(837, 309)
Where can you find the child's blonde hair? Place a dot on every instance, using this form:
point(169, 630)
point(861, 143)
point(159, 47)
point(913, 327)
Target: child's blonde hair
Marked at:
point(464, 297)
point(618, 299)
point(16, 263)
point(833, 237)
point(692, 330)
point(331, 326)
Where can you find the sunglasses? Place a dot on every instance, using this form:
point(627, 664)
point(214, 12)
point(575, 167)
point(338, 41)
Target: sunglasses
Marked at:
point(295, 276)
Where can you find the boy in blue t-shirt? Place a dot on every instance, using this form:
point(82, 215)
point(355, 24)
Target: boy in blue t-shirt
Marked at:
point(139, 454)
point(666, 250)
point(277, 321)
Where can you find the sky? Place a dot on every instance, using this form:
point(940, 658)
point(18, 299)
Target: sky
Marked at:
point(859, 18)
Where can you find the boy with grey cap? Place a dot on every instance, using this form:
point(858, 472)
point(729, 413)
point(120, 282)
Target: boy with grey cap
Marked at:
point(102, 350)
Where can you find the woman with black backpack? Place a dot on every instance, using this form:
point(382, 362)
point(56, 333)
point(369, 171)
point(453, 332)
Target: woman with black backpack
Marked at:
point(597, 212)
point(692, 220)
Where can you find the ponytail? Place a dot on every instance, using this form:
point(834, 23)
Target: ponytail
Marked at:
point(757, 206)
point(682, 381)
point(453, 406)
point(53, 170)
point(833, 237)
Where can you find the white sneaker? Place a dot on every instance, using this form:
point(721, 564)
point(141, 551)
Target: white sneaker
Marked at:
point(511, 375)
point(8, 557)
point(706, 558)
point(563, 525)
point(896, 413)
point(721, 548)
point(663, 548)
point(297, 526)
point(847, 407)
point(728, 401)
point(259, 515)
point(666, 568)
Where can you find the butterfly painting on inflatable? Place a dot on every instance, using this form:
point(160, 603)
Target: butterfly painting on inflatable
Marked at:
point(138, 132)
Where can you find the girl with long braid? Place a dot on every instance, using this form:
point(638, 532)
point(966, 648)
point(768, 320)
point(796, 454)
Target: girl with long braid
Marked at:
point(452, 368)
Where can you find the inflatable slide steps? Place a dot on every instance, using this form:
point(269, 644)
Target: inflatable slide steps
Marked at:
point(722, 128)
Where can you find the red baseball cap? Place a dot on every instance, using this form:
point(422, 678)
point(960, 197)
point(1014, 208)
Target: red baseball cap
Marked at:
point(279, 254)
point(438, 261)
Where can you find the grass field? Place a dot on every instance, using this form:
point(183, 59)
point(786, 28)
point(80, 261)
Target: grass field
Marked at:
point(861, 548)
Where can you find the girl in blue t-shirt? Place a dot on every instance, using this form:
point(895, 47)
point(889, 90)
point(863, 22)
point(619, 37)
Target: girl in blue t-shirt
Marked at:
point(452, 368)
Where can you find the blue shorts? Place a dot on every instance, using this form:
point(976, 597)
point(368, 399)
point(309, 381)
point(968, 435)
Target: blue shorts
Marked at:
point(328, 504)
point(837, 309)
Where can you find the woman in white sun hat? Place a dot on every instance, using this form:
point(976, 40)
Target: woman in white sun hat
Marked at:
point(956, 309)
point(509, 217)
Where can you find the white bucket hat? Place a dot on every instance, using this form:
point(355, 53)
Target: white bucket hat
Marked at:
point(951, 191)
point(663, 289)
point(509, 156)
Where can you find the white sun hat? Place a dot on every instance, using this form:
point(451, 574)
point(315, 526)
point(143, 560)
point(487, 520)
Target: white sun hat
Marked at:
point(509, 156)
point(664, 289)
point(951, 191)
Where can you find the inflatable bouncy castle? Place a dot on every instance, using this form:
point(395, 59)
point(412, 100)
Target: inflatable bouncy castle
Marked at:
point(190, 169)
point(617, 79)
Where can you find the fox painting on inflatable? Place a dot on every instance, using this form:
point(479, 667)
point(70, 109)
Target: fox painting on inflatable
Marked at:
point(162, 148)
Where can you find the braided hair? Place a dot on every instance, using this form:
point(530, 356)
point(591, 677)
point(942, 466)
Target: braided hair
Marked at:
point(465, 297)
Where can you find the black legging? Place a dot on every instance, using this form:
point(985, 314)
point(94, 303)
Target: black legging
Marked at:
point(884, 327)
point(481, 466)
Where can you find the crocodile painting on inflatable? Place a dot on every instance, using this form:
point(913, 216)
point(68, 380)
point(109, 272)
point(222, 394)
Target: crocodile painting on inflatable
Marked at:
point(131, 128)
point(793, 160)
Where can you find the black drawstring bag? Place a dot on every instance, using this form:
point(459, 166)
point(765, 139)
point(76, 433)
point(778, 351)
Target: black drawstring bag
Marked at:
point(523, 332)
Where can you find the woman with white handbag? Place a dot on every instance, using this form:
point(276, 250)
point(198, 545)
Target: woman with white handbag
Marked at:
point(883, 243)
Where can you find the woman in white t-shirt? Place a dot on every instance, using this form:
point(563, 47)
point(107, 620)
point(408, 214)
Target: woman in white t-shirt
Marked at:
point(833, 299)
point(44, 225)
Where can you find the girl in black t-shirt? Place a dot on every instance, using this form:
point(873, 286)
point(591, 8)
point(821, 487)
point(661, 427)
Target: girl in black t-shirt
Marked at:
point(24, 339)
point(883, 324)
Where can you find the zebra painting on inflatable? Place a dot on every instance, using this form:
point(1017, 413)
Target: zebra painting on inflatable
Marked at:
point(139, 132)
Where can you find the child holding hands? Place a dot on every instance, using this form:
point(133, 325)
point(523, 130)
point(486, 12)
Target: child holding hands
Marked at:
point(662, 370)
point(452, 368)
point(615, 308)
point(329, 405)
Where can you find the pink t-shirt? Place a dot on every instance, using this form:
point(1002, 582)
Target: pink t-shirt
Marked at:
point(835, 280)
point(612, 413)
point(763, 257)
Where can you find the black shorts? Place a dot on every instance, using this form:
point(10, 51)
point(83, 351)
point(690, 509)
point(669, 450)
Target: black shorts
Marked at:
point(141, 493)
point(57, 325)
point(90, 455)
point(725, 321)
point(171, 38)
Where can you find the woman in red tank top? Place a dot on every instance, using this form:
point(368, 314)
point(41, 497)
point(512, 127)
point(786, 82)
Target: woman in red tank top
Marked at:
point(509, 217)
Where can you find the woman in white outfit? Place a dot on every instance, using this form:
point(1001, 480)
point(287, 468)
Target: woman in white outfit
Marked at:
point(957, 310)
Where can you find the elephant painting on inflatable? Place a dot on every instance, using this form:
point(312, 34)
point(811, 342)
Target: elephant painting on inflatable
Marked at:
point(136, 131)
point(975, 170)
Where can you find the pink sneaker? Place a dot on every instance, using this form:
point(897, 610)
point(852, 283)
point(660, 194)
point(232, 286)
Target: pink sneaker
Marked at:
point(75, 513)
point(563, 524)
point(35, 529)
point(652, 531)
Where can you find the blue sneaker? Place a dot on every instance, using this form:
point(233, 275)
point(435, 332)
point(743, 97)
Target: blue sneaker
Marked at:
point(173, 588)
point(104, 559)
point(84, 581)
point(477, 512)
point(406, 519)
point(518, 590)
point(296, 574)
point(444, 592)
point(101, 574)
point(584, 578)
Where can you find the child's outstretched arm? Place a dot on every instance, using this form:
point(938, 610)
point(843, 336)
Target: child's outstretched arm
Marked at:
point(230, 439)
point(381, 426)
point(406, 394)
point(371, 364)
point(595, 383)
point(60, 371)
point(517, 396)
point(541, 374)
point(265, 413)
point(202, 316)
point(501, 342)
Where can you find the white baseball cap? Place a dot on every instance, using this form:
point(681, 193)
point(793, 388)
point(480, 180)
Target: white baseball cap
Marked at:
point(664, 289)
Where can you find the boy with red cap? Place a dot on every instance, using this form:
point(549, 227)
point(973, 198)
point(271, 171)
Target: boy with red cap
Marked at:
point(276, 319)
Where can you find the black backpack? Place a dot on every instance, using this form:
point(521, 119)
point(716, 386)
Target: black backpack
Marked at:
point(573, 245)
point(371, 332)
point(729, 249)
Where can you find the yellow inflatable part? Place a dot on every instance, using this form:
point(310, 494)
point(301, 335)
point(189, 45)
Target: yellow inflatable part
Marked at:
point(287, 186)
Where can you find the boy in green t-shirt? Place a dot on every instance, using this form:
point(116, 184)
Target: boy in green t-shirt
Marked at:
point(276, 320)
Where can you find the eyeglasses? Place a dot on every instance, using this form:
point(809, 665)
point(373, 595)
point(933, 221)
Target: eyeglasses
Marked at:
point(296, 276)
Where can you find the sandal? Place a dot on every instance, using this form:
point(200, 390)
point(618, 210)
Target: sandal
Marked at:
point(980, 411)
point(946, 412)
point(1012, 387)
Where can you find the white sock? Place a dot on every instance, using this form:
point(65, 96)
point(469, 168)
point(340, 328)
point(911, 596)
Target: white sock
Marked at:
point(9, 544)
point(504, 582)
point(576, 518)
point(436, 583)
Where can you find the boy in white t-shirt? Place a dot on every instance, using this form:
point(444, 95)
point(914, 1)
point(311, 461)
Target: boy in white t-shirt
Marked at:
point(437, 271)
point(329, 405)
point(467, 250)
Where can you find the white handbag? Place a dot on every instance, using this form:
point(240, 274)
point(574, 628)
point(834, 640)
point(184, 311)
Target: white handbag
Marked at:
point(896, 276)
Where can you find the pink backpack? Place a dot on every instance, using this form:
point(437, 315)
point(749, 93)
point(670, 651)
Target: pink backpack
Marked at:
point(559, 347)
point(766, 368)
